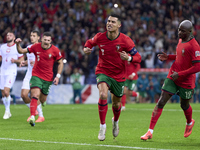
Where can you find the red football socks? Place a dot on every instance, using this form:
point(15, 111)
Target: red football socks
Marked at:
point(188, 114)
point(134, 94)
point(116, 112)
point(155, 116)
point(123, 100)
point(33, 105)
point(103, 108)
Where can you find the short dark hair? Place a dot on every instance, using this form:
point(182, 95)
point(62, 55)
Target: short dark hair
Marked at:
point(47, 34)
point(116, 15)
point(36, 31)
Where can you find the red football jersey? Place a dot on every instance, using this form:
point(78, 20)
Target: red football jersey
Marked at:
point(44, 61)
point(109, 62)
point(186, 54)
point(132, 68)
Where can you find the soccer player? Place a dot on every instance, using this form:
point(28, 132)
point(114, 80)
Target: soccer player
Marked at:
point(42, 74)
point(130, 83)
point(10, 58)
point(181, 77)
point(34, 37)
point(110, 70)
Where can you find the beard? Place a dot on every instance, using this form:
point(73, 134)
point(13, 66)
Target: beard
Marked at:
point(9, 41)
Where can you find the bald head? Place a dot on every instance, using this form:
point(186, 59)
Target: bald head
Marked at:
point(185, 30)
point(186, 24)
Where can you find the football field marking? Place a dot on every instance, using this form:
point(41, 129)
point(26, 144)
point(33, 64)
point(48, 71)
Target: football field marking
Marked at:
point(83, 144)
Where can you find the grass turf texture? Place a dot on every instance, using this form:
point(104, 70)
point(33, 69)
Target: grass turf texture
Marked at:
point(76, 127)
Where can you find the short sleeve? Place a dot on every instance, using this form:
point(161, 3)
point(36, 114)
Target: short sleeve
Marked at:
point(93, 41)
point(130, 44)
point(58, 54)
point(195, 53)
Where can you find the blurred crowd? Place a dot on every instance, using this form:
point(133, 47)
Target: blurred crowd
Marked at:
point(152, 24)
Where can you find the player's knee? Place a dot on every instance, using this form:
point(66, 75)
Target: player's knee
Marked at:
point(6, 93)
point(184, 106)
point(116, 104)
point(103, 95)
point(23, 95)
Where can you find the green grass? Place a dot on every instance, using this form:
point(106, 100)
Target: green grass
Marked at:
point(76, 127)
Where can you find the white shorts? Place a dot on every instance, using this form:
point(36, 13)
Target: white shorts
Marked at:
point(7, 81)
point(26, 84)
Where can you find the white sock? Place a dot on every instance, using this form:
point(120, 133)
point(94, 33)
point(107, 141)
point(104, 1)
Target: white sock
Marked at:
point(8, 103)
point(39, 109)
point(102, 125)
point(189, 123)
point(28, 104)
point(151, 130)
point(4, 101)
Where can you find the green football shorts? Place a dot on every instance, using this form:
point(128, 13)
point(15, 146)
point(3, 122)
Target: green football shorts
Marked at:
point(40, 83)
point(170, 87)
point(117, 88)
point(130, 84)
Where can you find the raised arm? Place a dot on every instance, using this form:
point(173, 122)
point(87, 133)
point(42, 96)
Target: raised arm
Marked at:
point(19, 48)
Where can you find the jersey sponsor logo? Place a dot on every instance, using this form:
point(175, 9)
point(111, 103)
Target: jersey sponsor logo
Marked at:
point(197, 53)
point(102, 45)
point(8, 50)
point(118, 47)
point(38, 52)
point(183, 52)
point(50, 55)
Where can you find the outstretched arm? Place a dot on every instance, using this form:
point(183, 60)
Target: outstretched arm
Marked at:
point(164, 56)
point(19, 48)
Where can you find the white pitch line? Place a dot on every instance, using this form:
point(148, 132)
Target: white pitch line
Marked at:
point(84, 144)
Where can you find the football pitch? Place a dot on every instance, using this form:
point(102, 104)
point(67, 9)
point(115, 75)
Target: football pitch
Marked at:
point(76, 127)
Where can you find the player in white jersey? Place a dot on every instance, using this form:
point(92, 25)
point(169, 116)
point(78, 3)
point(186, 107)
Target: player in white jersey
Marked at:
point(10, 58)
point(34, 37)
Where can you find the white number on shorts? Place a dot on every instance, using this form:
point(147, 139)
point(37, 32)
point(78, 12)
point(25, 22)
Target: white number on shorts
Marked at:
point(188, 94)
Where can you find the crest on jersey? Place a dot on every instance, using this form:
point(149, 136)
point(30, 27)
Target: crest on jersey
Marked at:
point(183, 52)
point(50, 55)
point(197, 53)
point(118, 47)
point(8, 50)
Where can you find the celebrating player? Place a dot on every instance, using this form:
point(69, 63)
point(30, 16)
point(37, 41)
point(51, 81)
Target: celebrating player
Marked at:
point(9, 57)
point(34, 37)
point(42, 74)
point(181, 77)
point(130, 83)
point(110, 70)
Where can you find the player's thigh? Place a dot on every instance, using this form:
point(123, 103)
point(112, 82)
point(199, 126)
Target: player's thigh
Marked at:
point(169, 87)
point(103, 84)
point(36, 82)
point(46, 87)
point(185, 93)
point(117, 88)
point(26, 84)
point(7, 81)
point(131, 85)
